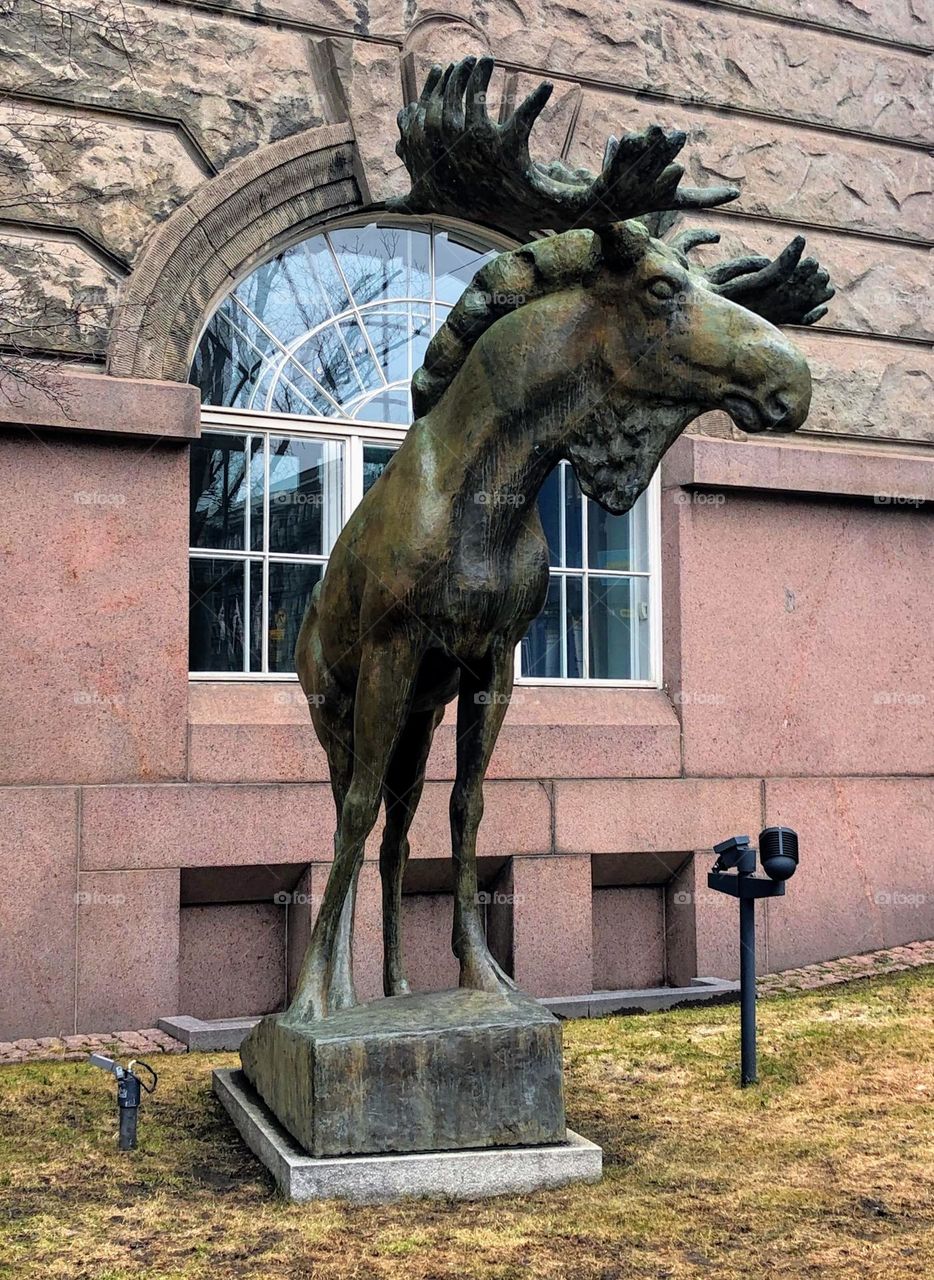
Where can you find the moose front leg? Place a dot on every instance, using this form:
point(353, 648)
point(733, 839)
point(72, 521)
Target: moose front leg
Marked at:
point(484, 696)
point(384, 688)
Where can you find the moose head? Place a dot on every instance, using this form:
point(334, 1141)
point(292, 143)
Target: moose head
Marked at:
point(664, 341)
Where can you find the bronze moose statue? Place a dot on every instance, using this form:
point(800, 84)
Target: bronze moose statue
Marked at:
point(597, 344)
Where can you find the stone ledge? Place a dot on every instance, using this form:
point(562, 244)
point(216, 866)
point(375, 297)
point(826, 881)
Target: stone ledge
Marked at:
point(215, 1035)
point(549, 732)
point(601, 1004)
point(902, 475)
point(89, 402)
point(460, 1175)
point(225, 1035)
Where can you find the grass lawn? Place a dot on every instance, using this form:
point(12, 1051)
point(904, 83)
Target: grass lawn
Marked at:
point(826, 1169)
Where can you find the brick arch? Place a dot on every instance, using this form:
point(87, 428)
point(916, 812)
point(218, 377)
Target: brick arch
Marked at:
point(230, 222)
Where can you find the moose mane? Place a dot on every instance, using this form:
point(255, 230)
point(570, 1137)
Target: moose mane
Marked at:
point(508, 282)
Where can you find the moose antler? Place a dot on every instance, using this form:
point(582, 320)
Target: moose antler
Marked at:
point(459, 159)
point(788, 289)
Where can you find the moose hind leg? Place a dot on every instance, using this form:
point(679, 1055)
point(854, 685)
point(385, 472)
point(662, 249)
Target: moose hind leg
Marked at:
point(332, 713)
point(381, 704)
point(482, 704)
point(402, 792)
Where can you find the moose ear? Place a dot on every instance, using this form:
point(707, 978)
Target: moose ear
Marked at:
point(623, 244)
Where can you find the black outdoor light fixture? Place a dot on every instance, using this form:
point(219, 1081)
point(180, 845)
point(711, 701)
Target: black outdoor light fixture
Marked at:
point(129, 1093)
point(734, 873)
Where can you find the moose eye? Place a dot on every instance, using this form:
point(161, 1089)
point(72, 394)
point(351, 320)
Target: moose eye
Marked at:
point(662, 288)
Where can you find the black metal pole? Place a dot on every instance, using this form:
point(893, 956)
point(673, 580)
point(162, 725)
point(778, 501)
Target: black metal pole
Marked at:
point(747, 989)
point(128, 1100)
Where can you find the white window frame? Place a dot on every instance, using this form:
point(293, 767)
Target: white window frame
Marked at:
point(356, 433)
point(584, 573)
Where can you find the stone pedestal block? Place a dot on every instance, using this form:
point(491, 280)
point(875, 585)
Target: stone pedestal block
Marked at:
point(439, 1072)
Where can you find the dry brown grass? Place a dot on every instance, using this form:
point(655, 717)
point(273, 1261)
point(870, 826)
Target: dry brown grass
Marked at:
point(825, 1170)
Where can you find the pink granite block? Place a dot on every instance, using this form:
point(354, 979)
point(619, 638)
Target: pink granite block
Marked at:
point(301, 908)
point(427, 920)
point(552, 941)
point(113, 406)
point(252, 732)
point(831, 615)
point(550, 732)
point(793, 464)
point(368, 933)
point(231, 960)
point(38, 852)
point(628, 937)
point(262, 732)
point(653, 815)
point(702, 926)
point(127, 948)
point(94, 611)
point(865, 878)
point(258, 753)
point(516, 819)
point(206, 825)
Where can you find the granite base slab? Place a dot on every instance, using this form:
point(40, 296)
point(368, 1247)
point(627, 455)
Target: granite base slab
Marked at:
point(376, 1179)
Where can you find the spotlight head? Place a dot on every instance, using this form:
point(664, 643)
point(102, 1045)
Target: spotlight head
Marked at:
point(735, 852)
point(778, 850)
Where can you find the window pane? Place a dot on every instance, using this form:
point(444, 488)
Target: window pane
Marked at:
point(295, 292)
point(549, 498)
point(257, 491)
point(365, 366)
point(574, 627)
point(217, 499)
point(304, 494)
point(216, 615)
point(573, 526)
point(383, 262)
point(456, 264)
point(619, 628)
point(554, 644)
point(393, 405)
point(256, 586)
point(618, 542)
point(375, 457)
point(290, 388)
point(230, 359)
point(290, 587)
point(327, 358)
point(400, 338)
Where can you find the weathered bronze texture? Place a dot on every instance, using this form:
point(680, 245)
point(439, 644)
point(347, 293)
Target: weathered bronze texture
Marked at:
point(597, 345)
point(441, 1072)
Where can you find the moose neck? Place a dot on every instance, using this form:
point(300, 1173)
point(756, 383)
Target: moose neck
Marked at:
point(543, 384)
point(506, 452)
point(614, 441)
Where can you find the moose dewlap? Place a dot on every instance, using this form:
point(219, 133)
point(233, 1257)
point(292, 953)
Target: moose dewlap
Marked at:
point(445, 1071)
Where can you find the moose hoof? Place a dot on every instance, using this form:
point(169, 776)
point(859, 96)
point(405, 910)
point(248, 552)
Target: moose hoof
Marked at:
point(482, 973)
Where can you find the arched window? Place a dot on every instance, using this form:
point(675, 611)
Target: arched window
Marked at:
point(304, 370)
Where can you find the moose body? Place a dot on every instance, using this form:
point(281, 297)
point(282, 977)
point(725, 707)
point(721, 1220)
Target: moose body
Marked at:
point(598, 345)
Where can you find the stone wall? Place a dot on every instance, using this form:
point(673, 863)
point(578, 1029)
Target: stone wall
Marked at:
point(820, 109)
